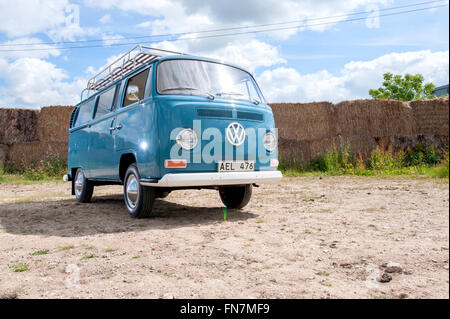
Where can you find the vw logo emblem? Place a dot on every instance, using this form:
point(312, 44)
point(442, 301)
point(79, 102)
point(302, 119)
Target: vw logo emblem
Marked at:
point(235, 134)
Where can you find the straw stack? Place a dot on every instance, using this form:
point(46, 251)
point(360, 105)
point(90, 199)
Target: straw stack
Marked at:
point(431, 117)
point(22, 155)
point(305, 121)
point(17, 125)
point(53, 123)
point(376, 118)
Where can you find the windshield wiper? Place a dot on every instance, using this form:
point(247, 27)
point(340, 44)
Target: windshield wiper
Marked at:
point(228, 93)
point(211, 96)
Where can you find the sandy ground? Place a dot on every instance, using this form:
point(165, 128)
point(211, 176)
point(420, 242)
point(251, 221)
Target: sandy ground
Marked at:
point(308, 237)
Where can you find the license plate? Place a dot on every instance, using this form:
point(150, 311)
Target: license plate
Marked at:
point(236, 166)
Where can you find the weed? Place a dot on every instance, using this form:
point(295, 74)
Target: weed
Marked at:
point(39, 252)
point(19, 267)
point(90, 256)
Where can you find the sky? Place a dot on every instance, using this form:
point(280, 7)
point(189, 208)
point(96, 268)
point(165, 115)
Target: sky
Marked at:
point(316, 50)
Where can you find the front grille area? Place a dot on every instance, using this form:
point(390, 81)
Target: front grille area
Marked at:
point(249, 116)
point(215, 113)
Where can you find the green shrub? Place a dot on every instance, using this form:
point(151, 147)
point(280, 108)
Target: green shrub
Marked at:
point(423, 156)
point(385, 160)
point(338, 160)
point(49, 167)
point(291, 164)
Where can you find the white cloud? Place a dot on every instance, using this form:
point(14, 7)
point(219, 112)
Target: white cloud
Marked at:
point(23, 47)
point(354, 80)
point(57, 18)
point(105, 19)
point(31, 82)
point(109, 39)
point(190, 15)
point(247, 53)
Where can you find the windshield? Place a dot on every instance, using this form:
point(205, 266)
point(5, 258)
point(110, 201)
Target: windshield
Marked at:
point(193, 77)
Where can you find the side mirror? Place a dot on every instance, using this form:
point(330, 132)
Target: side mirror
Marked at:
point(133, 93)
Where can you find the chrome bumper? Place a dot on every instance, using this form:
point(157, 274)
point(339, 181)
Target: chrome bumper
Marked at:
point(215, 179)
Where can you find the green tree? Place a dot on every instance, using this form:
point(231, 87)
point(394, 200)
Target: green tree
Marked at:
point(407, 88)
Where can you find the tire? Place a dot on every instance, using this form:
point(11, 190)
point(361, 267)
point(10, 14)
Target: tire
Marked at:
point(235, 196)
point(160, 194)
point(83, 187)
point(138, 199)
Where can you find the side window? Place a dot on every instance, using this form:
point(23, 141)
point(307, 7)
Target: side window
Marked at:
point(84, 114)
point(116, 97)
point(105, 102)
point(148, 85)
point(138, 80)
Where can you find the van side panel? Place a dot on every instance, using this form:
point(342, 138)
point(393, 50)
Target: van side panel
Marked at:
point(138, 135)
point(78, 148)
point(102, 162)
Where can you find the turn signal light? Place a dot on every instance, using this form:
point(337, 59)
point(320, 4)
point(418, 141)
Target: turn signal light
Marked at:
point(181, 163)
point(274, 163)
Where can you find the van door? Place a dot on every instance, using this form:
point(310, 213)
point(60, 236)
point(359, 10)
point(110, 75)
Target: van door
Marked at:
point(79, 137)
point(103, 163)
point(137, 125)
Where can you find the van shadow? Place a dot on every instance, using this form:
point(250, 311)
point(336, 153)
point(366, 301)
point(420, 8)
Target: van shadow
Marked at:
point(105, 215)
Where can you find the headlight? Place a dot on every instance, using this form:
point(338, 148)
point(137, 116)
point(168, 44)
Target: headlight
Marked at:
point(270, 141)
point(187, 139)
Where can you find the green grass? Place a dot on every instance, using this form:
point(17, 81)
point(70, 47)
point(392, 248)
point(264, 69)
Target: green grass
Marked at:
point(68, 247)
point(339, 161)
point(19, 267)
point(49, 169)
point(90, 256)
point(39, 252)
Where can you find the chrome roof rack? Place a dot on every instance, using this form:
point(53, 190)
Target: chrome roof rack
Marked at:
point(125, 64)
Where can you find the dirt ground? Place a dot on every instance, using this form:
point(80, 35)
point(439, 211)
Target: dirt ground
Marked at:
point(309, 237)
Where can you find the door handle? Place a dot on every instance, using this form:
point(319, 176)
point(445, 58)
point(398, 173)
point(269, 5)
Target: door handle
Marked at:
point(118, 126)
point(112, 128)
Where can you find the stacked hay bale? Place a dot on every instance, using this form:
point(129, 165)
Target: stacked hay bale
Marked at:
point(307, 130)
point(16, 126)
point(32, 135)
point(302, 127)
point(366, 124)
point(431, 122)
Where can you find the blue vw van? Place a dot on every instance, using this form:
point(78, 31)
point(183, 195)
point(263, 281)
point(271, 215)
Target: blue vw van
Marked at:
point(156, 121)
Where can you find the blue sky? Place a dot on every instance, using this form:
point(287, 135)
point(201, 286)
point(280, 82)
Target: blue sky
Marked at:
point(334, 61)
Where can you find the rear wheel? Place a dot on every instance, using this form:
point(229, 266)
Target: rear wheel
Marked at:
point(138, 199)
point(235, 196)
point(83, 188)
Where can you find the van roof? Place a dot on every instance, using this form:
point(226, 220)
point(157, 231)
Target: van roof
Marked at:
point(131, 62)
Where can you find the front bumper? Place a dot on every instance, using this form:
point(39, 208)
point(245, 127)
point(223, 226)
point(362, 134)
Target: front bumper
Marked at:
point(215, 179)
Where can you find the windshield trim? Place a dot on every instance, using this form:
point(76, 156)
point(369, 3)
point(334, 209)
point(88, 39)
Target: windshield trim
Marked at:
point(257, 89)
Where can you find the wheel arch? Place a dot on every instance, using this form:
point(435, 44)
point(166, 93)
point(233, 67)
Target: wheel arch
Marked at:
point(126, 160)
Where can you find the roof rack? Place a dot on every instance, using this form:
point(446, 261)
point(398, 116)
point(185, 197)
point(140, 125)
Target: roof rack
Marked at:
point(125, 64)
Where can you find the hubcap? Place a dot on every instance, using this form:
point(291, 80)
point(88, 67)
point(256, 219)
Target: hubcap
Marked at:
point(78, 183)
point(132, 191)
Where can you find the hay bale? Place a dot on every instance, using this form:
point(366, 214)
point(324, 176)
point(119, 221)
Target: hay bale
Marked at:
point(17, 125)
point(357, 144)
point(23, 155)
point(431, 116)
point(305, 121)
point(361, 145)
point(3, 154)
point(294, 150)
point(374, 118)
point(318, 147)
point(53, 123)
point(403, 143)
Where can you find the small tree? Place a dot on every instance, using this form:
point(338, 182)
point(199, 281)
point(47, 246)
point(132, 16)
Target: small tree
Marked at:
point(407, 88)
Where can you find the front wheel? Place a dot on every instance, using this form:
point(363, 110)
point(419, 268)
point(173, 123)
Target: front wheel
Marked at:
point(138, 199)
point(235, 196)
